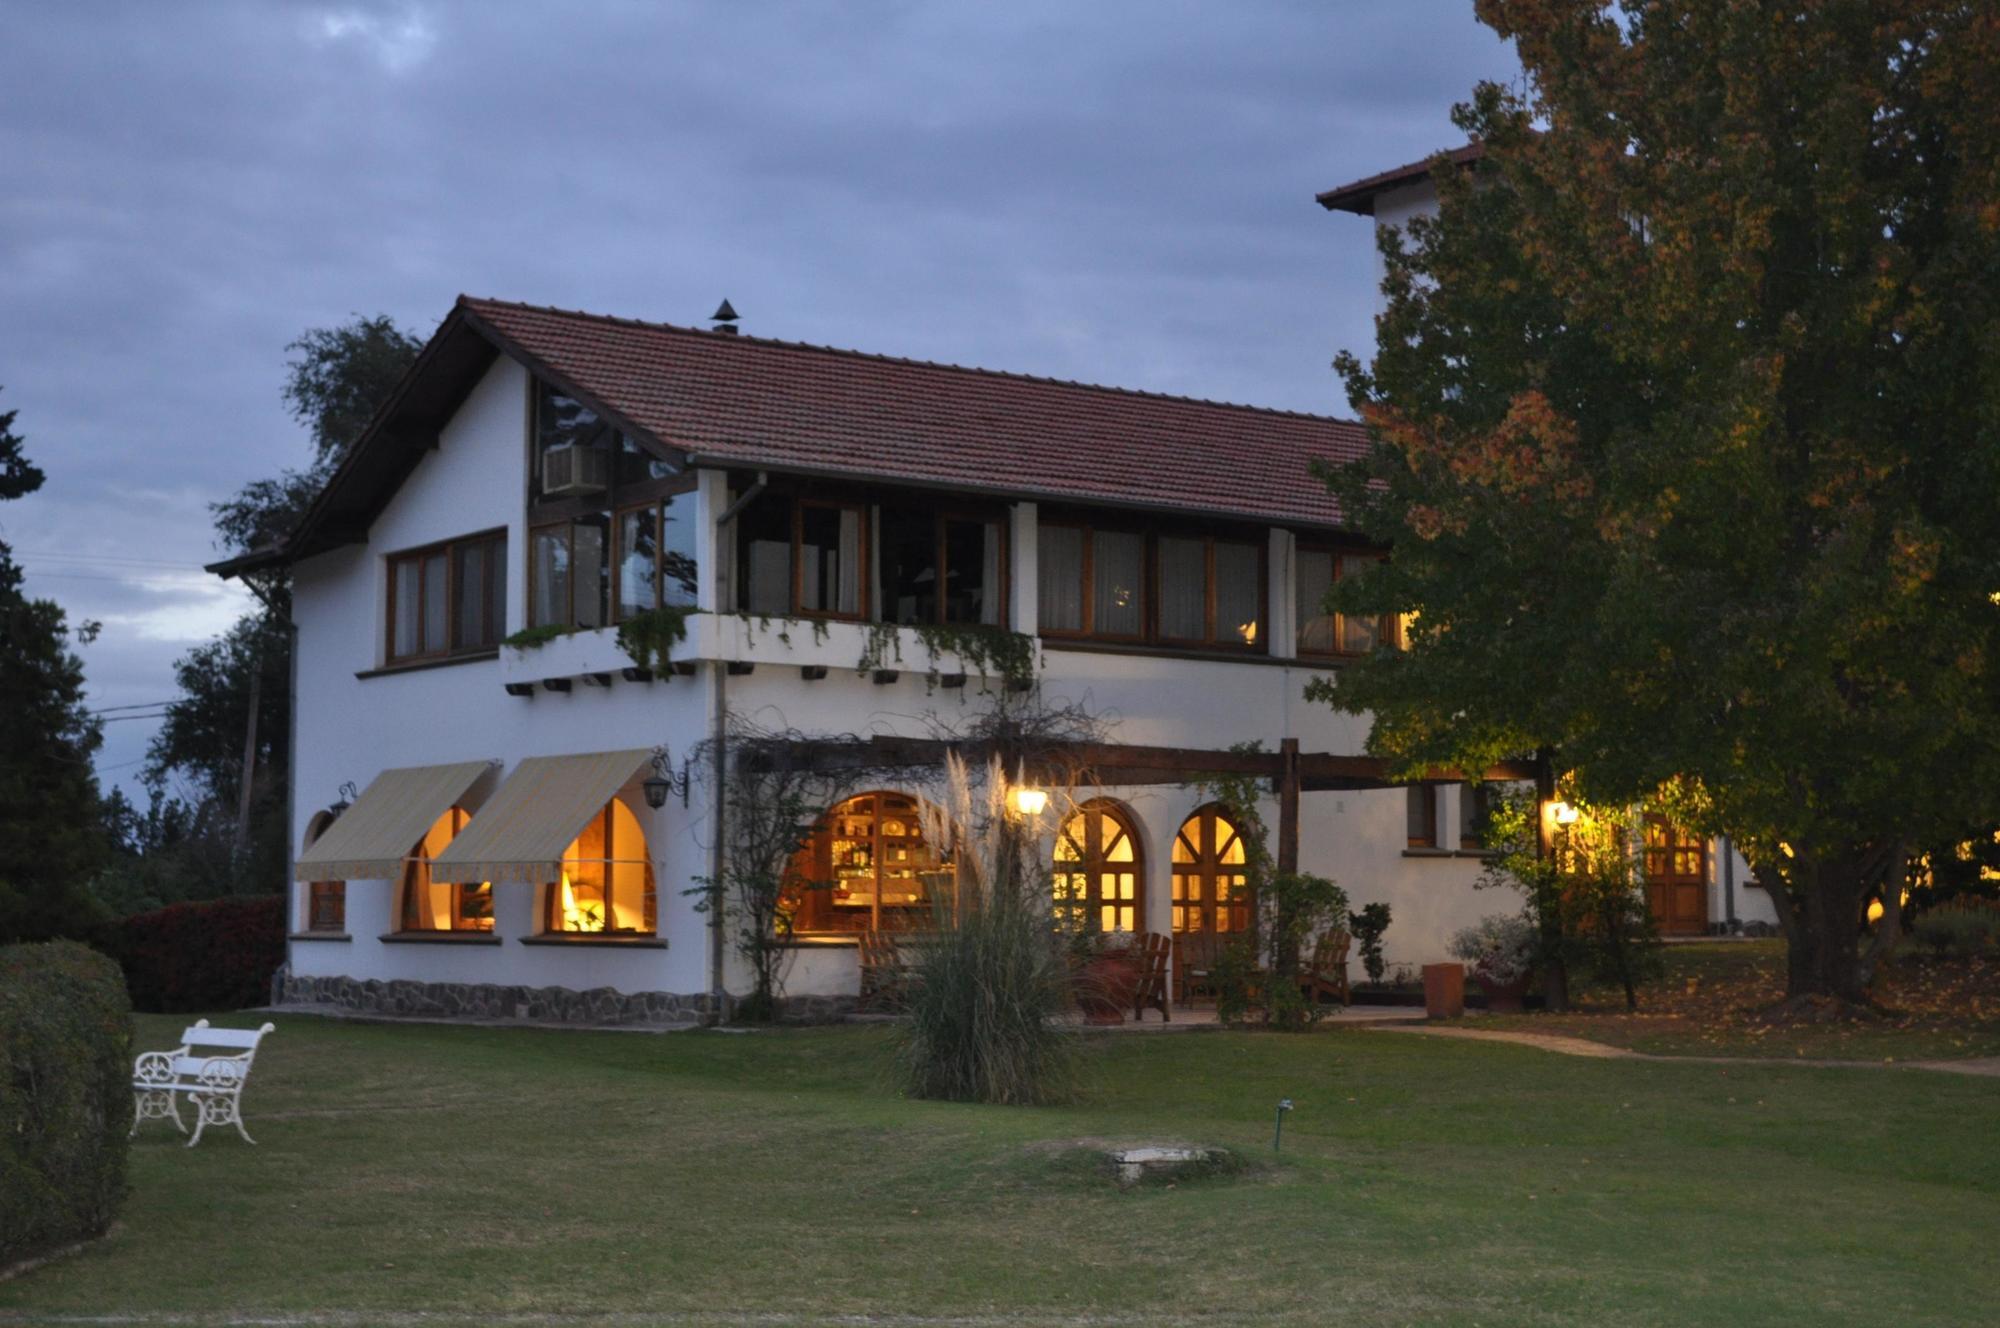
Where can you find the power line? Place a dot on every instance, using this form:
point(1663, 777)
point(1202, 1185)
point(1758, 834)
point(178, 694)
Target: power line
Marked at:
point(136, 705)
point(101, 558)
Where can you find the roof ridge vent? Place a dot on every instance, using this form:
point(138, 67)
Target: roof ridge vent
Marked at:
point(724, 319)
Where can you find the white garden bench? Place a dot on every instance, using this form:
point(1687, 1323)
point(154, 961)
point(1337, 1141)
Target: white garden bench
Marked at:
point(213, 1084)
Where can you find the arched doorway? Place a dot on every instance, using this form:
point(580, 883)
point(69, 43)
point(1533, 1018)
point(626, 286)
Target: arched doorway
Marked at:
point(1099, 876)
point(1211, 887)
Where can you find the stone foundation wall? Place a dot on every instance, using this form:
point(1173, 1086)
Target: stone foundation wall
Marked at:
point(484, 1000)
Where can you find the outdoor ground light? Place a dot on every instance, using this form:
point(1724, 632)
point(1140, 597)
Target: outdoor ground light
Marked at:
point(664, 780)
point(1030, 801)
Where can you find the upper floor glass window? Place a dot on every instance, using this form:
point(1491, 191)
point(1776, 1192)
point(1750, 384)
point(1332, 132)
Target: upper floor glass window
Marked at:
point(941, 568)
point(806, 558)
point(448, 598)
point(1321, 631)
point(1203, 590)
point(656, 559)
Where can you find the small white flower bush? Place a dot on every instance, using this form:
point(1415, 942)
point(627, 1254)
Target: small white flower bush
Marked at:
point(1499, 948)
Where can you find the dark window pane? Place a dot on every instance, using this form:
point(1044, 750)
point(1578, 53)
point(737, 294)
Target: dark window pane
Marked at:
point(1313, 573)
point(637, 463)
point(1117, 568)
point(591, 569)
point(1059, 578)
point(552, 574)
point(972, 572)
point(909, 566)
point(1239, 594)
point(474, 624)
point(1422, 815)
point(677, 569)
point(830, 560)
point(496, 591)
point(405, 639)
point(764, 557)
point(638, 547)
point(1358, 635)
point(1183, 589)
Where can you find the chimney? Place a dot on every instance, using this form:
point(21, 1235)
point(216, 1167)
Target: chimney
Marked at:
point(724, 319)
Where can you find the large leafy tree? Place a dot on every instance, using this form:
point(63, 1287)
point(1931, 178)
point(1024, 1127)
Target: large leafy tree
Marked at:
point(235, 691)
point(1687, 421)
point(50, 843)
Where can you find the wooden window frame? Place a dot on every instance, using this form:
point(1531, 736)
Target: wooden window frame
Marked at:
point(459, 891)
point(1212, 640)
point(940, 520)
point(453, 593)
point(1150, 634)
point(1208, 866)
point(649, 896)
point(864, 558)
point(1093, 865)
point(1428, 795)
point(819, 846)
point(1390, 628)
point(655, 502)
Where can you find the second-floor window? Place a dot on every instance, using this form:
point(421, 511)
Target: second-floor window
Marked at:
point(448, 598)
point(807, 558)
point(941, 568)
point(610, 521)
point(1321, 631)
point(1176, 589)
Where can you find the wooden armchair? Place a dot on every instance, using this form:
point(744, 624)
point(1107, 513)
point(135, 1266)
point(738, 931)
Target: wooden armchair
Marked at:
point(1153, 951)
point(1326, 973)
point(885, 978)
point(1195, 953)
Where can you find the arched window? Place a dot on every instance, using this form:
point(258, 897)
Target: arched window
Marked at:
point(1211, 889)
point(442, 905)
point(607, 879)
point(867, 867)
point(326, 901)
point(1099, 878)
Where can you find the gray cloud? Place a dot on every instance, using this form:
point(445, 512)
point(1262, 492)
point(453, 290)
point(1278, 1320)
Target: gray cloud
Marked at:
point(1117, 192)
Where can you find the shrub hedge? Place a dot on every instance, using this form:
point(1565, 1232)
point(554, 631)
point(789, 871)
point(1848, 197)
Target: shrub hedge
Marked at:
point(214, 954)
point(65, 1095)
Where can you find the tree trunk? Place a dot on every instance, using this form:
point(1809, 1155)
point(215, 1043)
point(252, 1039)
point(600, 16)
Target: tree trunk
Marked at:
point(1819, 914)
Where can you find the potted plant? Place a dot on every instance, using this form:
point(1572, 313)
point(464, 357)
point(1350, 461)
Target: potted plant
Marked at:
point(1499, 951)
point(1105, 972)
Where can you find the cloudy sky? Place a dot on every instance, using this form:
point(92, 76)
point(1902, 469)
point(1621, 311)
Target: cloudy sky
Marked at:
point(1114, 192)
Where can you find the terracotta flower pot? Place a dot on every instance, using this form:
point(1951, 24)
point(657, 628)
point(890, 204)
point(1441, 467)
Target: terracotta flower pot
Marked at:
point(1505, 997)
point(1105, 988)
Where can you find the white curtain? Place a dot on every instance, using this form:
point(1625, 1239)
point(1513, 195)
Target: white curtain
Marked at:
point(1117, 564)
point(1059, 578)
point(1313, 579)
point(1183, 589)
point(1239, 598)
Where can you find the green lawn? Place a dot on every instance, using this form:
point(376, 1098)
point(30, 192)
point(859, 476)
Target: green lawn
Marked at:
point(442, 1175)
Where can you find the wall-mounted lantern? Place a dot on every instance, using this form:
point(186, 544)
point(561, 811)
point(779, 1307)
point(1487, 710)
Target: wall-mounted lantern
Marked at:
point(664, 780)
point(343, 802)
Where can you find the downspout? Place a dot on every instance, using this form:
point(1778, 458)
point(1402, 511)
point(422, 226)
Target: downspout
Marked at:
point(718, 993)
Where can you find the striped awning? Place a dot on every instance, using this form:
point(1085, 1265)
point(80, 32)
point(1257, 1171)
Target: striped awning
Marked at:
point(371, 839)
point(521, 832)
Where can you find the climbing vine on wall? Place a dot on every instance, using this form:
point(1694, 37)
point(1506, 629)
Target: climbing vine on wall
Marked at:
point(650, 637)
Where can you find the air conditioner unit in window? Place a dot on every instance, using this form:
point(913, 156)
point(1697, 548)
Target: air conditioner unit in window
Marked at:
point(570, 469)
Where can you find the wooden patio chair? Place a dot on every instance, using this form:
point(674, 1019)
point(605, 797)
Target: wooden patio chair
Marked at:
point(1194, 965)
point(1153, 951)
point(1326, 972)
point(885, 979)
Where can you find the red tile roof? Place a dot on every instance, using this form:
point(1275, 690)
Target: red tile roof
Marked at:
point(761, 404)
point(1359, 196)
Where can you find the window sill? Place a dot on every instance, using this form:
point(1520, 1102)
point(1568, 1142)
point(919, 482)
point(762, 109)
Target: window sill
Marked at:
point(419, 665)
point(439, 937)
point(1432, 853)
point(608, 942)
point(318, 936)
point(1084, 647)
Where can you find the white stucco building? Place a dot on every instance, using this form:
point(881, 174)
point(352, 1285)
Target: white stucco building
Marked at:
point(832, 528)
